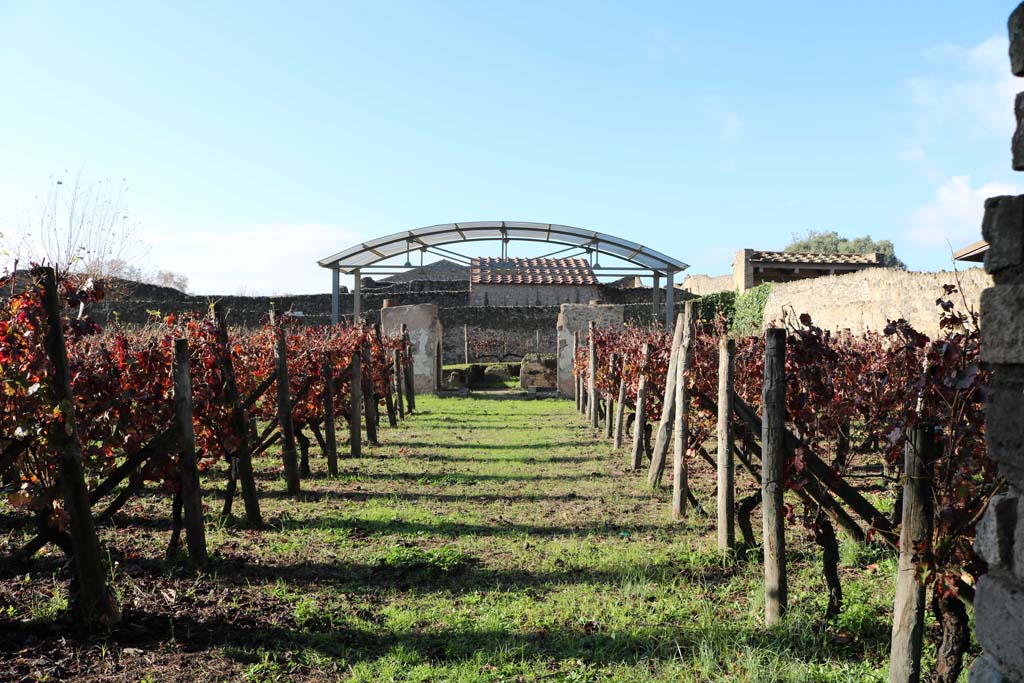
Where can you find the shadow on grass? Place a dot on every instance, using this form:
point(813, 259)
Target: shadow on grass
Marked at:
point(342, 637)
point(360, 528)
point(469, 444)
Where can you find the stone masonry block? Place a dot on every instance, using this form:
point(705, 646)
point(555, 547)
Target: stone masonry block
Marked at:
point(1016, 29)
point(999, 618)
point(1017, 145)
point(1002, 330)
point(984, 670)
point(1003, 228)
point(994, 539)
point(535, 371)
point(426, 335)
point(576, 318)
point(1004, 428)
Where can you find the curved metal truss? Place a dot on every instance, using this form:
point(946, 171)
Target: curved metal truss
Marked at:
point(433, 238)
point(390, 246)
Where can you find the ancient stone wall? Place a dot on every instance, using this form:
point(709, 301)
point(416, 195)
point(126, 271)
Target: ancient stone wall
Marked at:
point(496, 333)
point(425, 333)
point(866, 300)
point(531, 295)
point(999, 601)
point(575, 318)
point(699, 285)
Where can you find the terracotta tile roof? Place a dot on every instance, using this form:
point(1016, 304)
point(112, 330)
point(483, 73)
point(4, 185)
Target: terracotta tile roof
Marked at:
point(823, 259)
point(531, 271)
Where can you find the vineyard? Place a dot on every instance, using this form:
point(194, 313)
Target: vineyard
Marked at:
point(92, 415)
point(502, 556)
point(881, 436)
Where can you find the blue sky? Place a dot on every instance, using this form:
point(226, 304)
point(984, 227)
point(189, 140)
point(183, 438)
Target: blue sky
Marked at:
point(254, 142)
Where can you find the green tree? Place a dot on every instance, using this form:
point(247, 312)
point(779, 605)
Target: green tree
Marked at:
point(830, 242)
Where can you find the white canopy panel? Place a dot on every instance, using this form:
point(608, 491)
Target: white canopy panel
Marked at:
point(390, 246)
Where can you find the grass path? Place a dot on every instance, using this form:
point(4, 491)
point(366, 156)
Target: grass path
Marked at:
point(484, 540)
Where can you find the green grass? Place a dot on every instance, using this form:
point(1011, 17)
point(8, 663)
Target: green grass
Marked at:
point(484, 540)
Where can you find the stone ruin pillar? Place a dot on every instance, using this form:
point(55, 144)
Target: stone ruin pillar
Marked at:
point(425, 333)
point(999, 601)
point(576, 318)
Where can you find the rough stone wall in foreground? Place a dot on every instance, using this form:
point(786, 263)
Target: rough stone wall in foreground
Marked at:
point(999, 601)
point(866, 300)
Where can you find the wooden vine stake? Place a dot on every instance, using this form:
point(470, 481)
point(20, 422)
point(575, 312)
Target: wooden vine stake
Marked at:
point(681, 428)
point(399, 399)
point(915, 534)
point(389, 402)
point(284, 416)
point(242, 461)
point(191, 492)
point(660, 453)
point(620, 412)
point(355, 390)
point(609, 402)
point(773, 456)
point(640, 417)
point(330, 429)
point(94, 602)
point(726, 472)
point(410, 376)
point(577, 394)
point(595, 413)
point(369, 396)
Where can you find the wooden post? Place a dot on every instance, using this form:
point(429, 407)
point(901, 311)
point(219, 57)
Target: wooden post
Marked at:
point(95, 604)
point(538, 343)
point(369, 396)
point(577, 394)
point(399, 399)
point(842, 446)
point(330, 429)
point(620, 413)
point(726, 478)
point(191, 492)
point(410, 375)
point(581, 387)
point(915, 535)
point(681, 428)
point(389, 401)
point(465, 341)
point(609, 402)
point(355, 390)
point(773, 428)
point(640, 419)
point(284, 416)
point(667, 409)
point(595, 412)
point(239, 423)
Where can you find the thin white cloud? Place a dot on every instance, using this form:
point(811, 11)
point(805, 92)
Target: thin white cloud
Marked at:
point(729, 123)
point(278, 258)
point(954, 214)
point(662, 46)
point(971, 92)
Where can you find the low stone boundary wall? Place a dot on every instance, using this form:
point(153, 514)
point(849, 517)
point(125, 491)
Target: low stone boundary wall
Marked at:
point(868, 299)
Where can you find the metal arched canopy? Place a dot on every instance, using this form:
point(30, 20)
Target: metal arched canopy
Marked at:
point(390, 246)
